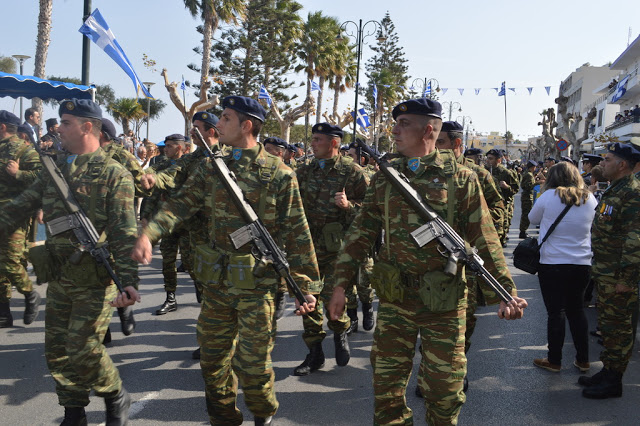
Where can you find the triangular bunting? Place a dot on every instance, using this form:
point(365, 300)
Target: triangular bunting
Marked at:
point(530, 89)
point(461, 91)
point(547, 88)
point(477, 91)
point(444, 90)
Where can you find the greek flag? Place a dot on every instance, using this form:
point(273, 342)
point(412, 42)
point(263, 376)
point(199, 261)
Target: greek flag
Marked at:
point(427, 91)
point(620, 89)
point(362, 119)
point(183, 86)
point(264, 95)
point(502, 90)
point(98, 31)
point(315, 86)
point(375, 97)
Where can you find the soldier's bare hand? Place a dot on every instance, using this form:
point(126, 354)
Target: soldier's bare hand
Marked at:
point(126, 300)
point(142, 251)
point(512, 310)
point(621, 288)
point(341, 200)
point(504, 185)
point(308, 307)
point(13, 167)
point(147, 181)
point(337, 303)
point(40, 217)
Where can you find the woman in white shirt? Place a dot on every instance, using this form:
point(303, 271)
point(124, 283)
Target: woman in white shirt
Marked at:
point(565, 261)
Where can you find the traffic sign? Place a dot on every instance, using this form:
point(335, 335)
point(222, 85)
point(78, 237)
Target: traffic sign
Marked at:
point(562, 145)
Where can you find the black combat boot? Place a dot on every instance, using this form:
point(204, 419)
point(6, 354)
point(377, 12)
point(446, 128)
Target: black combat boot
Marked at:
point(181, 268)
point(107, 337)
point(280, 303)
point(6, 320)
point(127, 321)
point(610, 386)
point(522, 235)
point(367, 316)
point(118, 408)
point(31, 306)
point(74, 416)
point(593, 380)
point(353, 316)
point(169, 305)
point(195, 354)
point(198, 293)
point(343, 355)
point(263, 421)
point(313, 361)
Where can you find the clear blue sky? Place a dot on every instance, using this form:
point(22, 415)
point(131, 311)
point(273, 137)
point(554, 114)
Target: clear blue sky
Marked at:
point(466, 44)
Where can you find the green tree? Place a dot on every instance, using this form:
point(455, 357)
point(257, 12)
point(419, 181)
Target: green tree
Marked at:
point(343, 73)
point(8, 64)
point(127, 112)
point(104, 92)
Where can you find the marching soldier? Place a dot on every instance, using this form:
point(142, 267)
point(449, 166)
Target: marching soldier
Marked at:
point(526, 201)
point(507, 184)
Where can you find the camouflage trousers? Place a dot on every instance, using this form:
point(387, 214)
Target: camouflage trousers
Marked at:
point(13, 264)
point(312, 322)
point(76, 321)
point(442, 368)
point(524, 217)
point(617, 319)
point(472, 305)
point(506, 222)
point(169, 249)
point(236, 333)
point(362, 288)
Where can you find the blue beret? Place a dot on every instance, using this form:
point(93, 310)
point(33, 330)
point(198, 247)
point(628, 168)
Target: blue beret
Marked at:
point(451, 126)
point(624, 151)
point(550, 159)
point(591, 158)
point(207, 117)
point(80, 108)
point(245, 105)
point(299, 145)
point(277, 142)
point(473, 151)
point(161, 143)
point(495, 152)
point(175, 137)
point(422, 106)
point(108, 128)
point(531, 163)
point(23, 128)
point(567, 159)
point(327, 129)
point(8, 118)
point(292, 148)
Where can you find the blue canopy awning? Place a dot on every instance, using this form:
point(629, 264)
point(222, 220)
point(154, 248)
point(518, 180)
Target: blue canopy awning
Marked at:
point(27, 86)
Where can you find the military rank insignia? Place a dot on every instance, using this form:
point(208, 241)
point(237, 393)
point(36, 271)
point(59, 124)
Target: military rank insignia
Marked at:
point(413, 164)
point(606, 211)
point(237, 153)
point(321, 163)
point(71, 158)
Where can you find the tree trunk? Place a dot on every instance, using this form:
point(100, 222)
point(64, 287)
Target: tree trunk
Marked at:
point(319, 108)
point(42, 45)
point(210, 25)
point(336, 94)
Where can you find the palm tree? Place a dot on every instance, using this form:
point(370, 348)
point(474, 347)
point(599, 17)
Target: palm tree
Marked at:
point(42, 44)
point(126, 110)
point(212, 12)
point(343, 72)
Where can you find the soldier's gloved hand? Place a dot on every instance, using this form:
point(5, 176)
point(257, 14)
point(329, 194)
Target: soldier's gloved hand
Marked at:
point(147, 181)
point(13, 167)
point(308, 307)
point(123, 300)
point(337, 303)
point(513, 310)
point(142, 251)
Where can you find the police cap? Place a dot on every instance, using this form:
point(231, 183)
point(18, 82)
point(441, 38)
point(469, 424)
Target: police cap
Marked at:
point(81, 108)
point(422, 106)
point(551, 159)
point(8, 118)
point(248, 106)
point(205, 116)
point(328, 129)
point(591, 158)
point(531, 163)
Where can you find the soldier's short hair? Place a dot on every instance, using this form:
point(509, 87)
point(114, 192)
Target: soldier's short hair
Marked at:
point(257, 124)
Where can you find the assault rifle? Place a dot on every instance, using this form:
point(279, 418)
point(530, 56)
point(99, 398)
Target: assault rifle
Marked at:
point(265, 249)
point(77, 221)
point(436, 228)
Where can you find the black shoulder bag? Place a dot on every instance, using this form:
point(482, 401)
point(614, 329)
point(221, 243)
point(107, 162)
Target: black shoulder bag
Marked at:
point(526, 255)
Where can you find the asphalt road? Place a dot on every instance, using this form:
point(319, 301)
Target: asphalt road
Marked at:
point(167, 387)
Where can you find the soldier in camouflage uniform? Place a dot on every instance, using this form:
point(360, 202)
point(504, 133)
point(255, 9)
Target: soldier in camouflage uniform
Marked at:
point(81, 294)
point(416, 296)
point(236, 327)
point(332, 188)
point(615, 241)
point(19, 167)
point(526, 201)
point(507, 183)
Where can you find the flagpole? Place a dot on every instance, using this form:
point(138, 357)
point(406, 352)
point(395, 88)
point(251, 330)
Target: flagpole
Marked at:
point(506, 128)
point(86, 45)
point(184, 101)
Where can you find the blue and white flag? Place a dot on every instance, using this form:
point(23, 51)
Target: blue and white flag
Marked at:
point(98, 31)
point(183, 86)
point(315, 86)
point(502, 90)
point(362, 119)
point(620, 89)
point(427, 91)
point(264, 95)
point(375, 97)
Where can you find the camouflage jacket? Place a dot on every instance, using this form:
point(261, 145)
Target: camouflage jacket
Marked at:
point(319, 181)
point(283, 212)
point(615, 236)
point(527, 183)
point(130, 162)
point(470, 218)
point(14, 148)
point(96, 181)
point(502, 173)
point(492, 193)
point(152, 202)
point(369, 171)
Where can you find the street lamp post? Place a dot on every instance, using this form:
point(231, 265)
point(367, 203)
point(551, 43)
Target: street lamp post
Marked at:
point(359, 36)
point(466, 122)
point(424, 83)
point(148, 84)
point(21, 59)
point(452, 105)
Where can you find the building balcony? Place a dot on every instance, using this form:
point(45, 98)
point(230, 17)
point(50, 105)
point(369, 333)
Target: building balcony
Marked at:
point(627, 127)
point(633, 90)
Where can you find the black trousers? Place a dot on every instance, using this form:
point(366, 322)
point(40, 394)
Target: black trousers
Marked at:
point(563, 288)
